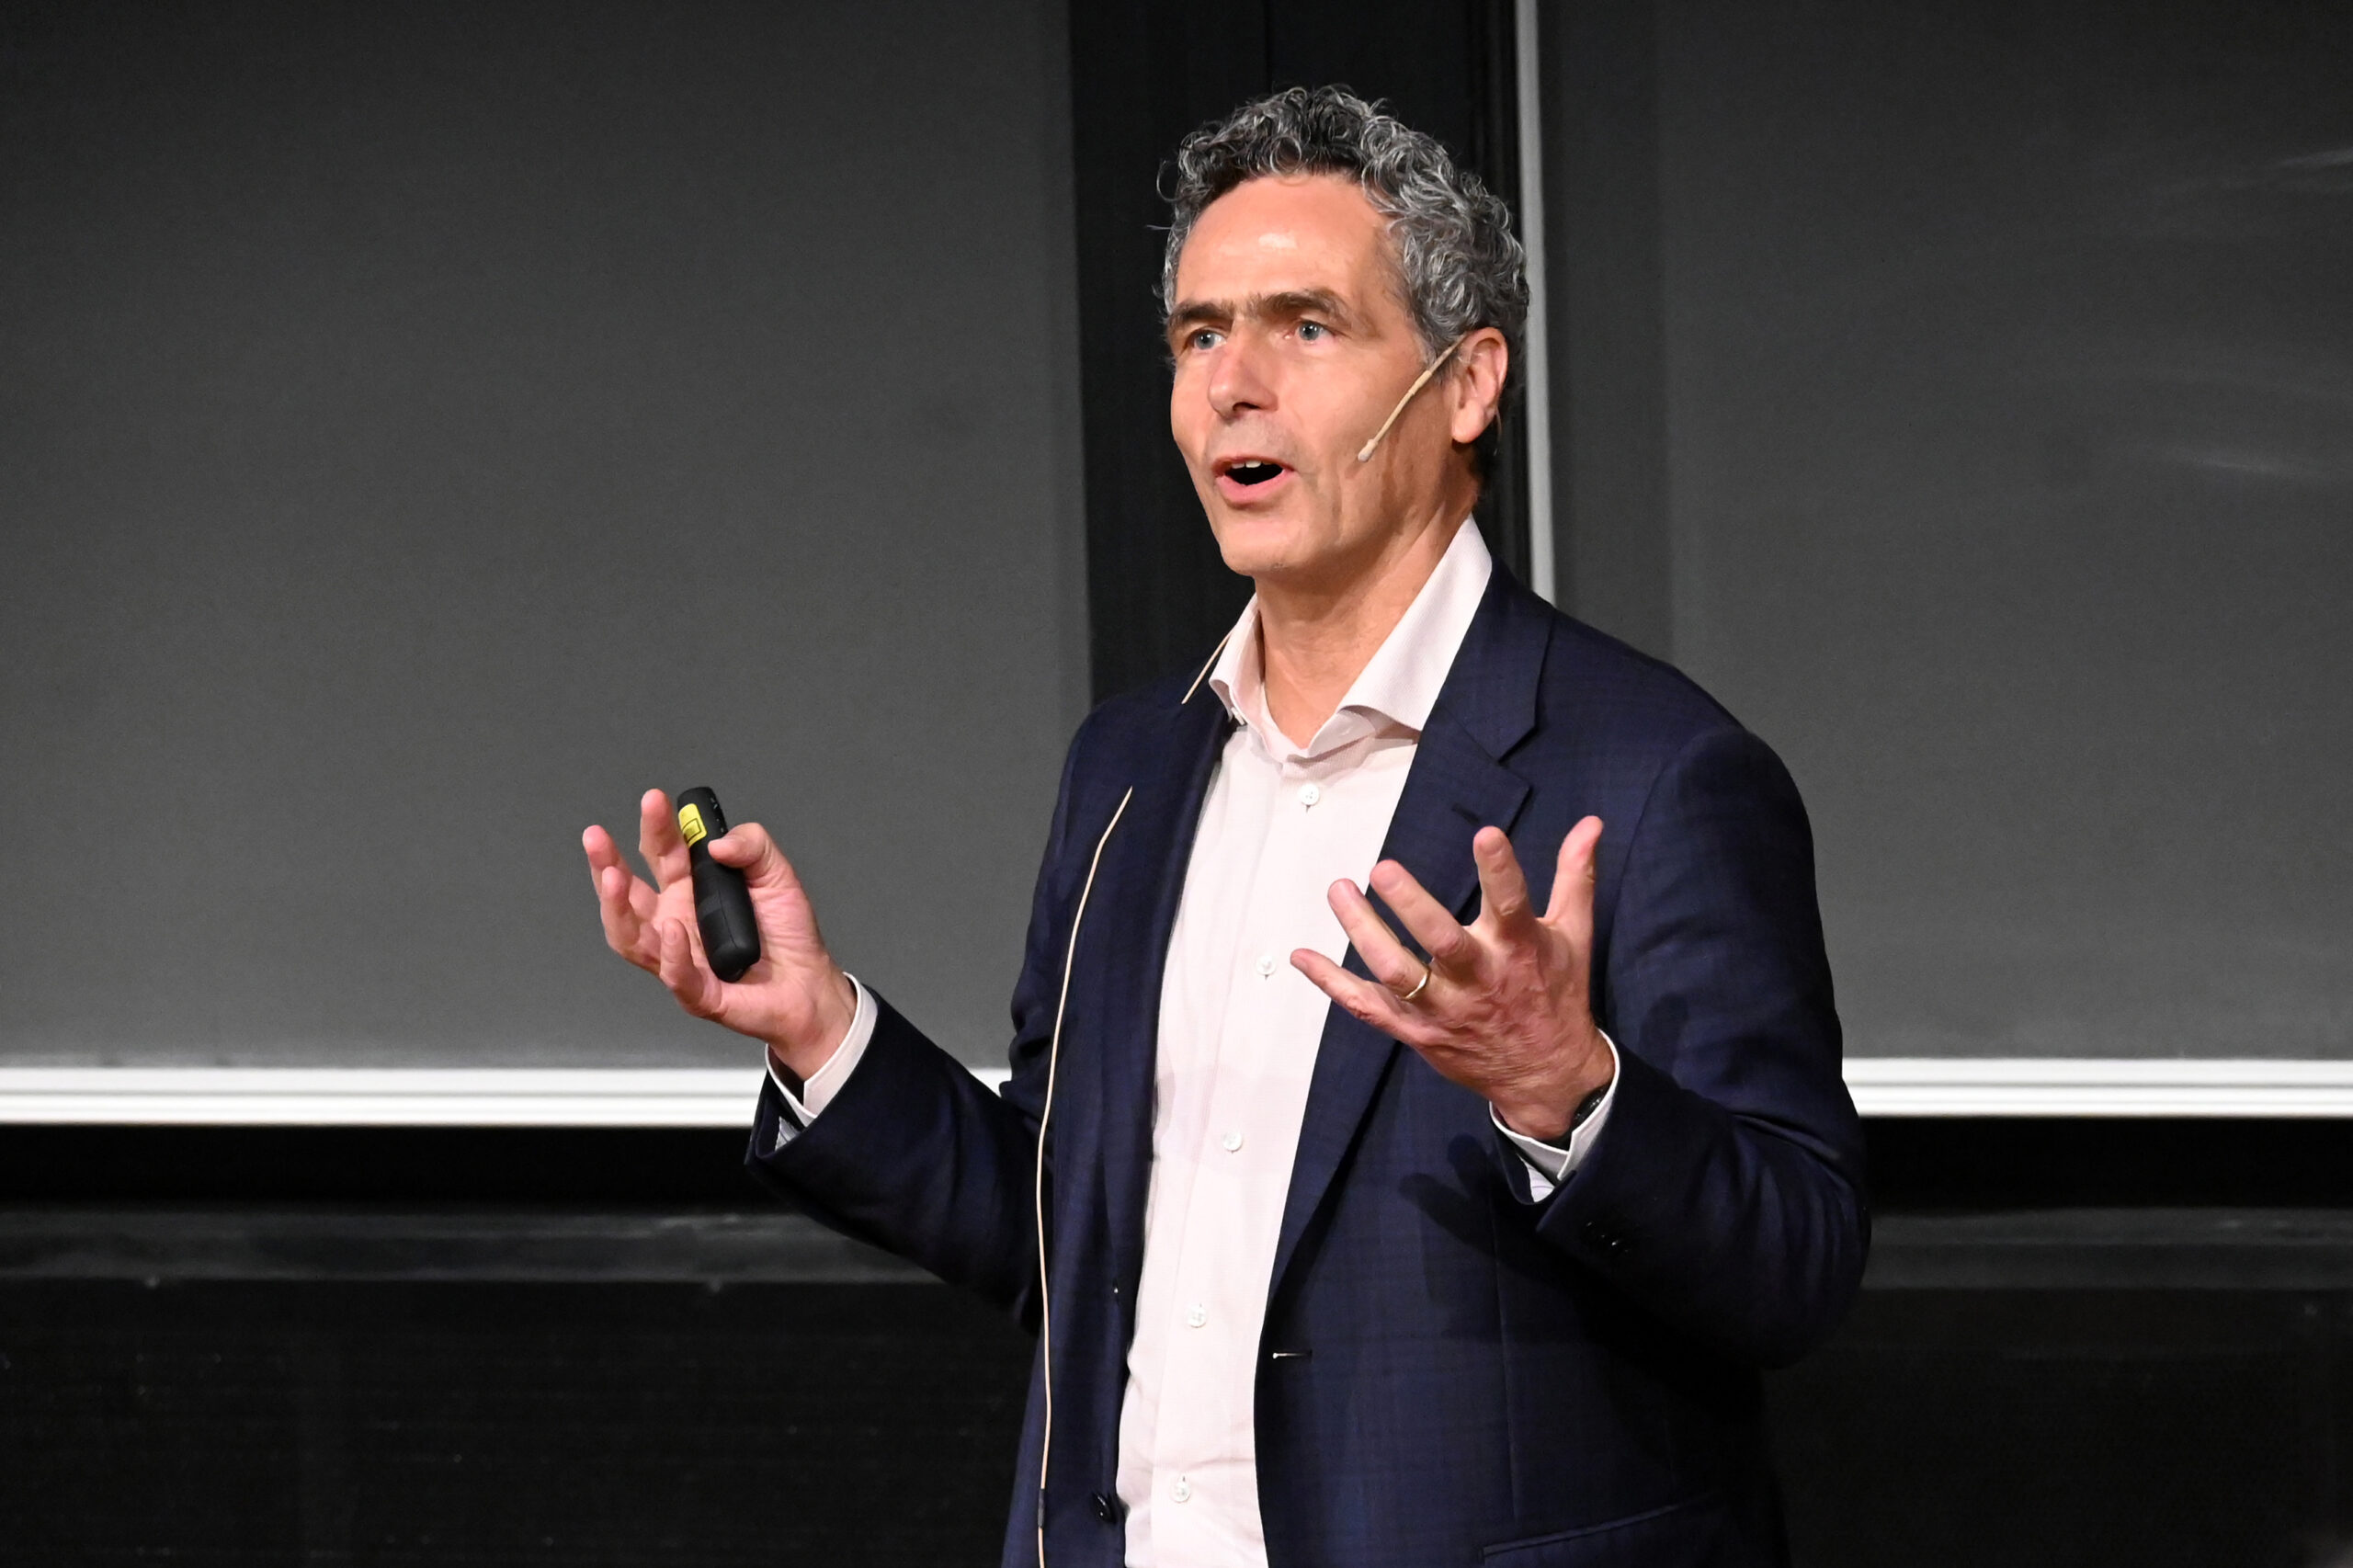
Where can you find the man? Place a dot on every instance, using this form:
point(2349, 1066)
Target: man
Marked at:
point(1446, 1228)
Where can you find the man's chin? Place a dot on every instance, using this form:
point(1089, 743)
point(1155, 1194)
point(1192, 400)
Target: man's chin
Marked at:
point(1258, 563)
point(1260, 546)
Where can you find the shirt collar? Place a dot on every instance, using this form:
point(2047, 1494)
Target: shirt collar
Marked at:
point(1399, 685)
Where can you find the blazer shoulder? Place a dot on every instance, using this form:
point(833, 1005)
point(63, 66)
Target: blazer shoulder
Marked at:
point(1151, 739)
point(1601, 688)
point(1141, 720)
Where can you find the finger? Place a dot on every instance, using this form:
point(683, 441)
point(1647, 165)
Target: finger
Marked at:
point(598, 845)
point(1430, 922)
point(699, 991)
point(605, 855)
point(636, 899)
point(1374, 1005)
point(1571, 910)
point(613, 903)
point(1382, 953)
point(623, 902)
point(1503, 890)
point(658, 840)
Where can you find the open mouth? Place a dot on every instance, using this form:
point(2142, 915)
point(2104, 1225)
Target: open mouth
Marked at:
point(1253, 472)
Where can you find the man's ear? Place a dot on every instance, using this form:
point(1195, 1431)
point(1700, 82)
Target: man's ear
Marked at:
point(1475, 388)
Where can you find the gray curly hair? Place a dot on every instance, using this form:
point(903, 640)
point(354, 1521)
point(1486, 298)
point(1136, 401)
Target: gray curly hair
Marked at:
point(1460, 265)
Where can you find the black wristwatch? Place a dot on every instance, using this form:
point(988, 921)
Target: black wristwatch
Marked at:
point(1587, 1105)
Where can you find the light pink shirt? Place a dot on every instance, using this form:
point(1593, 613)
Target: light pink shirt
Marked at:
point(1239, 1029)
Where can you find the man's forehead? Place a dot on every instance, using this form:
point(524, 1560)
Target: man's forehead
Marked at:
point(1283, 234)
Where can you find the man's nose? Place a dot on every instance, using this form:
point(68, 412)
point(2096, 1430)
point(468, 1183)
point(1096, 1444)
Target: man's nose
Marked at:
point(1238, 379)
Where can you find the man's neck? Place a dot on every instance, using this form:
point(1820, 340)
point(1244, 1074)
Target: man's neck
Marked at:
point(1315, 640)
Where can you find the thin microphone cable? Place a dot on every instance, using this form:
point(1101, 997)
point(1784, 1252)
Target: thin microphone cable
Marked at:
point(1364, 453)
point(1037, 1174)
point(1206, 668)
point(1046, 1116)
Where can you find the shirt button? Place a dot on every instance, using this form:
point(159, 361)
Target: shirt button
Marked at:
point(1196, 1316)
point(1265, 964)
point(1309, 793)
point(1231, 1143)
point(1182, 1491)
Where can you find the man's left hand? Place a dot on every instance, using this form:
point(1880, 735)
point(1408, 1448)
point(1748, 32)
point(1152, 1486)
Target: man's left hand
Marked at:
point(1505, 1006)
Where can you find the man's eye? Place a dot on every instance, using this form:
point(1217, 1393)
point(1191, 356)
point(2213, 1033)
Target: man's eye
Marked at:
point(1310, 330)
point(1202, 340)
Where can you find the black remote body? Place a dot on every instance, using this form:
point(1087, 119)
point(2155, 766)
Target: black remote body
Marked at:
point(731, 938)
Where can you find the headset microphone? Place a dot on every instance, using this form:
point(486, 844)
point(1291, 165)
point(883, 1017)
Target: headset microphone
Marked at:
point(731, 937)
point(1364, 454)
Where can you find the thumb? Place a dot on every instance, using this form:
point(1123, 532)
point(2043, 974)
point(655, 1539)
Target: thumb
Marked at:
point(748, 848)
point(1571, 909)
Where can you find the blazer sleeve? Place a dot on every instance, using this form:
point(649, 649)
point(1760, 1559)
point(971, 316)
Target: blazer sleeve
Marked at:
point(1726, 1194)
point(915, 1155)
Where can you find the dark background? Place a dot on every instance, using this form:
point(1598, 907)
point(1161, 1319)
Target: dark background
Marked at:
point(426, 427)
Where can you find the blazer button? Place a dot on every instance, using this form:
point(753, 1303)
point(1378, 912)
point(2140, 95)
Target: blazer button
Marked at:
point(1102, 1508)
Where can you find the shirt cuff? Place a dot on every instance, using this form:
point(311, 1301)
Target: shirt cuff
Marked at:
point(1549, 1165)
point(819, 1088)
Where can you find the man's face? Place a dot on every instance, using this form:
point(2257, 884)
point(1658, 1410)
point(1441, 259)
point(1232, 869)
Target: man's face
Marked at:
point(1291, 346)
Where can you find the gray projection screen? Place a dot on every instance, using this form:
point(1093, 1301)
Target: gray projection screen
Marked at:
point(425, 427)
point(2007, 402)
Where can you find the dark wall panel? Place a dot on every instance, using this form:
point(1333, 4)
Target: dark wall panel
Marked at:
point(310, 1412)
point(1613, 559)
point(629, 1426)
point(2072, 1430)
point(1144, 74)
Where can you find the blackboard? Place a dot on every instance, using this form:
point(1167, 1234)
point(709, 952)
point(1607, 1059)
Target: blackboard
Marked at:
point(426, 427)
point(1997, 359)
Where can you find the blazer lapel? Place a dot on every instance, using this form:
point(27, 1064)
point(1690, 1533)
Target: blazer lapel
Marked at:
point(1142, 883)
point(1457, 785)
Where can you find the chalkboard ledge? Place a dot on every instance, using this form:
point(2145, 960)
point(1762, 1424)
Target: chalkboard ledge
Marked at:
point(446, 1096)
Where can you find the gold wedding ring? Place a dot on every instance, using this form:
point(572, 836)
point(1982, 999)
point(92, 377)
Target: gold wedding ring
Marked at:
point(1420, 986)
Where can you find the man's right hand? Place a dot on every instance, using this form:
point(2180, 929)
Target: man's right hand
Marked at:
point(796, 998)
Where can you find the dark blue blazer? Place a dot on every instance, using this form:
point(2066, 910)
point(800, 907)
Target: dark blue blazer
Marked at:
point(1451, 1374)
